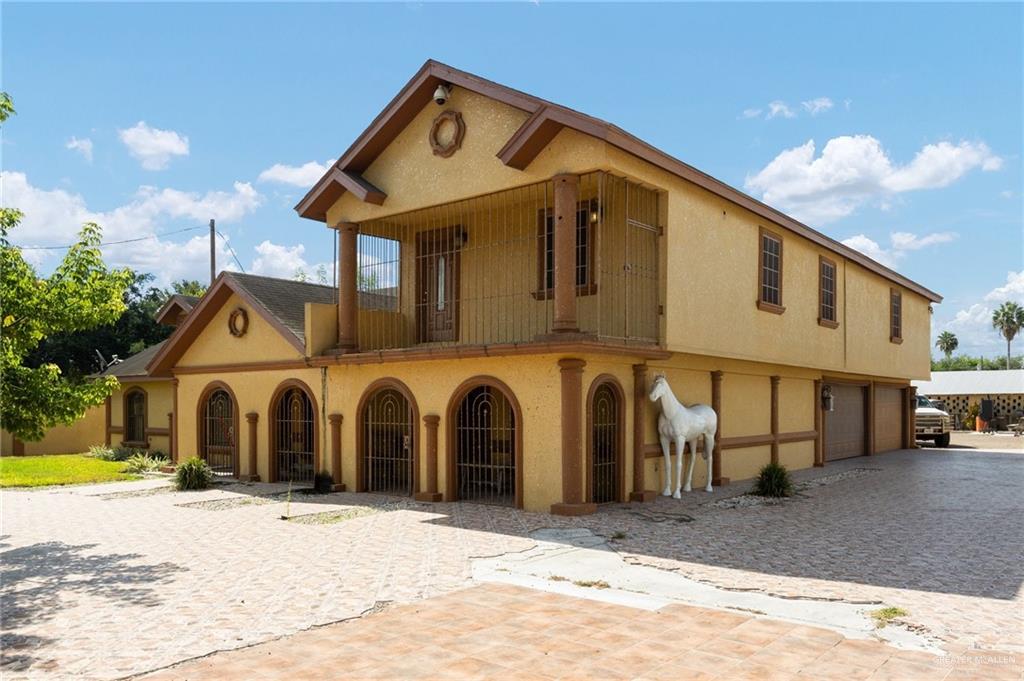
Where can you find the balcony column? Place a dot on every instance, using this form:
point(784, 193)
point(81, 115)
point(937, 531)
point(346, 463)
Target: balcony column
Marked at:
point(572, 440)
point(430, 493)
point(567, 189)
point(348, 296)
point(252, 418)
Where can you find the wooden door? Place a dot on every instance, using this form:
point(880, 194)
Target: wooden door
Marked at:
point(845, 426)
point(437, 279)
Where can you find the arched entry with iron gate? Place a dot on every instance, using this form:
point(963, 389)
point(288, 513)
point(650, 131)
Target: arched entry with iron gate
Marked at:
point(218, 429)
point(387, 443)
point(294, 445)
point(485, 444)
point(605, 440)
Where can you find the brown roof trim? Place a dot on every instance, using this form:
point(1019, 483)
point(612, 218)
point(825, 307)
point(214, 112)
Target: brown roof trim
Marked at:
point(332, 185)
point(218, 294)
point(176, 301)
point(496, 350)
point(547, 120)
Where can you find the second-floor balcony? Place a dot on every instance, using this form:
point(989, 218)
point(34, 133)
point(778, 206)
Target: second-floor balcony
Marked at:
point(490, 270)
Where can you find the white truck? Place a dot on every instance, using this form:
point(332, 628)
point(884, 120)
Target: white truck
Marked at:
point(931, 423)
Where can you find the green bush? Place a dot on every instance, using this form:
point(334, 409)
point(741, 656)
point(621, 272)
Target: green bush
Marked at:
point(193, 474)
point(773, 481)
point(140, 463)
point(101, 452)
point(160, 455)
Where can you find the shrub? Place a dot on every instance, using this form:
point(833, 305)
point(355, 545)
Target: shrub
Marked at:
point(193, 474)
point(101, 452)
point(323, 482)
point(160, 455)
point(140, 463)
point(773, 481)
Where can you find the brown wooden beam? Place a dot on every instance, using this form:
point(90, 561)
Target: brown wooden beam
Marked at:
point(252, 418)
point(348, 293)
point(430, 493)
point(775, 419)
point(335, 424)
point(639, 493)
point(572, 503)
point(566, 190)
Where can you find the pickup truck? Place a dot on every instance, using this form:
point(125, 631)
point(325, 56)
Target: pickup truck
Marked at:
point(931, 423)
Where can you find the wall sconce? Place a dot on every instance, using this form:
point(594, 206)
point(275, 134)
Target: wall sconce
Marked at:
point(828, 403)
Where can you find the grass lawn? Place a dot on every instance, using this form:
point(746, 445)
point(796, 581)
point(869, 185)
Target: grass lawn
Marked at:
point(58, 469)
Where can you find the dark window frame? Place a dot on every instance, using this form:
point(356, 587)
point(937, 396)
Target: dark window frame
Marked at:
point(129, 395)
point(823, 294)
point(776, 306)
point(546, 250)
point(895, 316)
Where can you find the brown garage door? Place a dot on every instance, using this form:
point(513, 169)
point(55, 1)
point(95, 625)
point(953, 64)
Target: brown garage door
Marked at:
point(888, 418)
point(844, 427)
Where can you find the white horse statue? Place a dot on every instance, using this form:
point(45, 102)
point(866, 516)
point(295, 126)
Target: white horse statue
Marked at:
point(681, 424)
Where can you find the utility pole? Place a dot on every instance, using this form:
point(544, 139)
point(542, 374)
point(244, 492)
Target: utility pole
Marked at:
point(213, 251)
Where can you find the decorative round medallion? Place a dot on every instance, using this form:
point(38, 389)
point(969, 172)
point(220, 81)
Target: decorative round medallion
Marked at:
point(446, 133)
point(238, 322)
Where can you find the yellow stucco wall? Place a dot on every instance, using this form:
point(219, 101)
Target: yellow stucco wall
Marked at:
point(159, 403)
point(215, 344)
point(73, 439)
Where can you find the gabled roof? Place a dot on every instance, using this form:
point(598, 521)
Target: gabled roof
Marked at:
point(1000, 382)
point(546, 120)
point(133, 366)
point(281, 302)
point(176, 305)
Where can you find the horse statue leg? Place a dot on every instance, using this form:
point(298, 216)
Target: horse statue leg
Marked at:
point(668, 462)
point(680, 445)
point(709, 454)
point(689, 467)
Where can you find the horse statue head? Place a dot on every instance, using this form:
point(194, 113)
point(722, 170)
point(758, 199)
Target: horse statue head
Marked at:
point(659, 388)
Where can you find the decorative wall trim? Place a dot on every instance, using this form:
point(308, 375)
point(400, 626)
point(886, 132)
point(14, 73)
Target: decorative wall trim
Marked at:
point(571, 374)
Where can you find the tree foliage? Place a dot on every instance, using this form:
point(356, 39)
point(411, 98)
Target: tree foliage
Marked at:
point(946, 343)
point(80, 294)
point(188, 287)
point(970, 363)
point(1008, 320)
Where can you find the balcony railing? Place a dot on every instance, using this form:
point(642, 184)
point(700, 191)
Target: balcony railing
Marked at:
point(480, 271)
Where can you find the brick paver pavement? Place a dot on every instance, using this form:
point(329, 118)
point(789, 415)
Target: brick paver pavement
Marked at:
point(101, 584)
point(504, 632)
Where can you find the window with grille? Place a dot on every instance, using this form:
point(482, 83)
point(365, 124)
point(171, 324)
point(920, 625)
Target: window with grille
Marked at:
point(135, 417)
point(827, 293)
point(586, 219)
point(895, 316)
point(770, 295)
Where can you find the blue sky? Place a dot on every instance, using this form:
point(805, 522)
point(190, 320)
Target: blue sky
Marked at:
point(894, 127)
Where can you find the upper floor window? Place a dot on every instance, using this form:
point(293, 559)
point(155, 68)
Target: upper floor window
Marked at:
point(586, 221)
point(769, 295)
point(827, 315)
point(135, 417)
point(895, 316)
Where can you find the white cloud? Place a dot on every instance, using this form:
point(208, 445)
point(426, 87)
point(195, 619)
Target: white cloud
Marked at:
point(82, 146)
point(278, 260)
point(853, 170)
point(299, 176)
point(54, 216)
point(900, 244)
point(1006, 194)
point(973, 325)
point(817, 106)
point(153, 147)
point(1013, 289)
point(750, 113)
point(778, 108)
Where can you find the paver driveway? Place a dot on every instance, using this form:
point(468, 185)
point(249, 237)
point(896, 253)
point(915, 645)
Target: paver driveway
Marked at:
point(102, 584)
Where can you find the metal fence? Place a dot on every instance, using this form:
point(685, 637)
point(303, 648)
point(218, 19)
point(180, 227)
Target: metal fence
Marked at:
point(485, 440)
point(479, 271)
point(294, 437)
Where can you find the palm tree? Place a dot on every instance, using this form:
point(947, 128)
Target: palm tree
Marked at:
point(1008, 319)
point(947, 343)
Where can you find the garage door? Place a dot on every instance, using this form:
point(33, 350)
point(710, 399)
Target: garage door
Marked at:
point(888, 418)
point(844, 427)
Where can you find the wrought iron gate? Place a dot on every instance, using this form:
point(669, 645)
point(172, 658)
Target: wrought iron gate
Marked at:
point(219, 433)
point(485, 438)
point(294, 437)
point(604, 439)
point(388, 443)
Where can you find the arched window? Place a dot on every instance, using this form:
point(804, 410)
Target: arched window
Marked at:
point(293, 435)
point(484, 452)
point(387, 439)
point(605, 440)
point(218, 430)
point(135, 417)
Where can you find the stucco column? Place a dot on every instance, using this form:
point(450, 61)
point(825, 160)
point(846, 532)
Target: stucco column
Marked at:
point(566, 191)
point(819, 437)
point(252, 418)
point(430, 493)
point(775, 419)
point(716, 403)
point(640, 400)
point(348, 295)
point(170, 434)
point(175, 444)
point(871, 418)
point(106, 422)
point(912, 418)
point(572, 440)
point(335, 422)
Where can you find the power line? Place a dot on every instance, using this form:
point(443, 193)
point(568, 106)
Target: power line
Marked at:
point(111, 243)
point(231, 251)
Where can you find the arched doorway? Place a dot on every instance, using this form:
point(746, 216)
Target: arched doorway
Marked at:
point(293, 434)
point(218, 431)
point(485, 444)
point(605, 443)
point(135, 417)
point(387, 439)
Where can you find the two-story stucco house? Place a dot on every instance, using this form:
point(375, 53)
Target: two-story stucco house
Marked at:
point(512, 274)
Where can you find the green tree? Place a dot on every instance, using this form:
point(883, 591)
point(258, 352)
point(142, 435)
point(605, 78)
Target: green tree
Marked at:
point(1008, 319)
point(80, 294)
point(188, 287)
point(947, 343)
